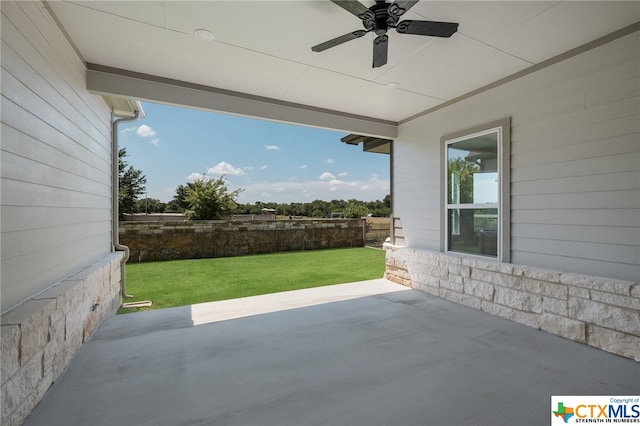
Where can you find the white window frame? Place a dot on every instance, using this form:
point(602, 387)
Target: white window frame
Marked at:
point(503, 129)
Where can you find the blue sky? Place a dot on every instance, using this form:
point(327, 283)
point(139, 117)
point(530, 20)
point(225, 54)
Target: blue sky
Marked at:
point(272, 162)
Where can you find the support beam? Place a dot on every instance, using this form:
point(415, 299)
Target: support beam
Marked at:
point(369, 144)
point(109, 81)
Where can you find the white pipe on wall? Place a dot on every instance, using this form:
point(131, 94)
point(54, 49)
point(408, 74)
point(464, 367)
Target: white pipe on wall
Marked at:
point(115, 205)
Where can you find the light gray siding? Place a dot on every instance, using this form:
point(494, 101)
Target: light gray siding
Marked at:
point(56, 157)
point(575, 163)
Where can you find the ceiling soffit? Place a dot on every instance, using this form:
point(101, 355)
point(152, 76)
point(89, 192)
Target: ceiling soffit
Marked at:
point(262, 49)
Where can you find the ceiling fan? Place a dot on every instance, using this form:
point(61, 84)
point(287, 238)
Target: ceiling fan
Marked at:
point(379, 18)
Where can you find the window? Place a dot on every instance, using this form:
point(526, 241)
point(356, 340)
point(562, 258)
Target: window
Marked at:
point(476, 191)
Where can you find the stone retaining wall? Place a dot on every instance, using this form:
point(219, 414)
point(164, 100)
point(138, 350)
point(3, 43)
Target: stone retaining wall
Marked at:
point(600, 312)
point(41, 336)
point(151, 241)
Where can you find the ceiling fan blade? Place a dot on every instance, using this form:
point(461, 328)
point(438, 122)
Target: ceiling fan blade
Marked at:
point(351, 6)
point(403, 6)
point(427, 28)
point(338, 40)
point(380, 50)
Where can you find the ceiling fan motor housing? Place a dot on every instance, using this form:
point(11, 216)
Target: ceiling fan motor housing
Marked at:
point(378, 19)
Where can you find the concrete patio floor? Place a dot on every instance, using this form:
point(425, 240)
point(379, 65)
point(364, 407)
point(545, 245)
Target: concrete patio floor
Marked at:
point(367, 353)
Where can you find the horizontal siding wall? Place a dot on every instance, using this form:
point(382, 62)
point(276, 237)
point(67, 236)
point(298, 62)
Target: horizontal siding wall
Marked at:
point(56, 157)
point(575, 163)
point(416, 186)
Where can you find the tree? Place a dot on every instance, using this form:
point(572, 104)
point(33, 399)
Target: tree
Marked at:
point(355, 209)
point(387, 201)
point(209, 199)
point(150, 205)
point(318, 208)
point(131, 184)
point(380, 208)
point(179, 203)
point(336, 206)
point(460, 180)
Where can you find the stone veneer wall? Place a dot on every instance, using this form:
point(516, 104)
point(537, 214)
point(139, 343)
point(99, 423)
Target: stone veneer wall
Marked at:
point(600, 312)
point(150, 241)
point(41, 336)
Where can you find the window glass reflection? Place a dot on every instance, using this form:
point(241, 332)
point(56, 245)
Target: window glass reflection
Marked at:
point(472, 175)
point(474, 231)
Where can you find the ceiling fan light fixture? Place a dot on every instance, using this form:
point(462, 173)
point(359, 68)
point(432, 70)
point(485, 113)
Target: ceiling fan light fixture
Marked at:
point(203, 35)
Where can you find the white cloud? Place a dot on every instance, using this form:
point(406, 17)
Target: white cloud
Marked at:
point(145, 131)
point(343, 174)
point(271, 147)
point(129, 129)
point(338, 182)
point(329, 161)
point(194, 177)
point(249, 168)
point(326, 176)
point(327, 189)
point(263, 167)
point(224, 168)
point(302, 166)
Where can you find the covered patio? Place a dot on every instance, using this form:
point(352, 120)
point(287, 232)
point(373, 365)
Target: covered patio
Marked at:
point(364, 353)
point(555, 82)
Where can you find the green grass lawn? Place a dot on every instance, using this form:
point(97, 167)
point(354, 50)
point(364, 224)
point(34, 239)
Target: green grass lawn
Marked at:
point(185, 282)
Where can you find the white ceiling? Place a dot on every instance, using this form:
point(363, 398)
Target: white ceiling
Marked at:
point(263, 48)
